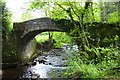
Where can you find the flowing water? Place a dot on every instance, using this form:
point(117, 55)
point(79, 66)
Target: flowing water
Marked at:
point(50, 65)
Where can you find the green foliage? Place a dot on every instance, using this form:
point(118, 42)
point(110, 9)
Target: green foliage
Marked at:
point(26, 16)
point(96, 13)
point(9, 47)
point(100, 54)
point(113, 17)
point(61, 39)
point(58, 14)
point(6, 21)
point(42, 37)
point(37, 4)
point(8, 43)
point(95, 52)
point(6, 18)
point(82, 67)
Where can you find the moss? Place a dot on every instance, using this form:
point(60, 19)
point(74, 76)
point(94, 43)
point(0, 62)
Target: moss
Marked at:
point(33, 56)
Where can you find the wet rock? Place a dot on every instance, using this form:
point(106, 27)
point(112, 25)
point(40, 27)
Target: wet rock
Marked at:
point(57, 54)
point(35, 76)
point(62, 65)
point(0, 72)
point(29, 72)
point(45, 55)
point(63, 59)
point(58, 70)
point(34, 63)
point(30, 63)
point(41, 58)
point(50, 63)
point(42, 61)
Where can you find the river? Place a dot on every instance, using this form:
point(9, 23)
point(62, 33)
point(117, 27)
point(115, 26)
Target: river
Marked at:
point(47, 66)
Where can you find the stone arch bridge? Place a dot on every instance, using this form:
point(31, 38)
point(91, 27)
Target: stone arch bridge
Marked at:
point(27, 30)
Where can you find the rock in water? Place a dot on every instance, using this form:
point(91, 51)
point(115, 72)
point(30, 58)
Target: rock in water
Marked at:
point(35, 76)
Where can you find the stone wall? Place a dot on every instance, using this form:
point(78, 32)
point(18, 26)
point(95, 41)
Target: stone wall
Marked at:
point(28, 51)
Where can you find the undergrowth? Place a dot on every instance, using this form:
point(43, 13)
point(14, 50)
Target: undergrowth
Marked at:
point(104, 65)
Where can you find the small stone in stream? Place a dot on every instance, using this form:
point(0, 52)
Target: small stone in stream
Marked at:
point(59, 76)
point(20, 77)
point(63, 59)
point(35, 76)
point(50, 63)
point(58, 70)
point(42, 57)
point(30, 72)
point(42, 61)
point(24, 72)
point(30, 63)
point(23, 76)
point(58, 55)
point(34, 63)
point(46, 63)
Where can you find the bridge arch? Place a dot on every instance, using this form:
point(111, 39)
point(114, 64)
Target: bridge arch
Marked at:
point(27, 30)
point(31, 35)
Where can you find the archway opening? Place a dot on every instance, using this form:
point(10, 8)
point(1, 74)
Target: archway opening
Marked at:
point(56, 39)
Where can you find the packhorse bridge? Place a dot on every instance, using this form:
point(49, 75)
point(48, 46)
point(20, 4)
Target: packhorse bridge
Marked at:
point(27, 30)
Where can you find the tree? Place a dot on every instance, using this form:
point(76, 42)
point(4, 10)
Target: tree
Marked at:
point(6, 22)
point(26, 16)
point(8, 39)
point(67, 10)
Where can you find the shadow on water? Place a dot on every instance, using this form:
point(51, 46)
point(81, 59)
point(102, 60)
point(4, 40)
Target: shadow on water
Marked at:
point(13, 73)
